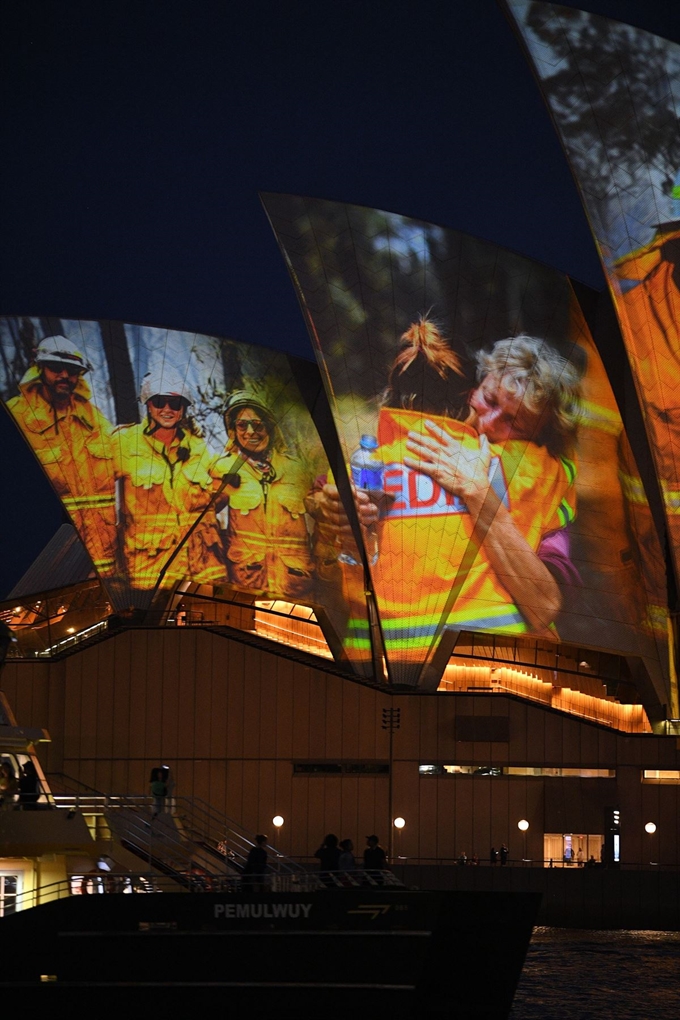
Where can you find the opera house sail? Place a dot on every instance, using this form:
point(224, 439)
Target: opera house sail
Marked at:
point(613, 91)
point(510, 502)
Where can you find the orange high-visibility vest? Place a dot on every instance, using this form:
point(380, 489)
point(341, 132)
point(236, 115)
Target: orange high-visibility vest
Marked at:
point(429, 572)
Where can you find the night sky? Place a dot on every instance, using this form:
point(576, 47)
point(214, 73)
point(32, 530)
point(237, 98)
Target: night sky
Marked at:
point(136, 135)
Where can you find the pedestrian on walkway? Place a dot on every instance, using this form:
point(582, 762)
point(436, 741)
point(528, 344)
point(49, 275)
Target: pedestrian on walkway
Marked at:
point(159, 791)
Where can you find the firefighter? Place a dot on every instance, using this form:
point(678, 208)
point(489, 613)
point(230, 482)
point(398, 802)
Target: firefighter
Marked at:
point(72, 440)
point(266, 538)
point(164, 465)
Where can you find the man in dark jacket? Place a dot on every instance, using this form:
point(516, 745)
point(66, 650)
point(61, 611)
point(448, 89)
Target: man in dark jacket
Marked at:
point(375, 860)
point(254, 873)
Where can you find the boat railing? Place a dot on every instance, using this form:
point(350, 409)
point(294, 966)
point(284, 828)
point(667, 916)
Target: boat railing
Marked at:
point(106, 883)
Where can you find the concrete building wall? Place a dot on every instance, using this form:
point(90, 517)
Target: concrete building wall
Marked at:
point(231, 720)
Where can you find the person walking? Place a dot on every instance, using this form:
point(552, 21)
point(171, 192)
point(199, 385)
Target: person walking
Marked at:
point(158, 791)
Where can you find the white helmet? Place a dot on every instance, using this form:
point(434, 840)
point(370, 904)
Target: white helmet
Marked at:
point(165, 381)
point(58, 349)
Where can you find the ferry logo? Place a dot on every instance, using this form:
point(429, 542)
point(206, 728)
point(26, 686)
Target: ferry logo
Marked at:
point(372, 910)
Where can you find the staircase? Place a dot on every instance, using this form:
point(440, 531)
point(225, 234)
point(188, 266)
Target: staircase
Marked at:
point(190, 842)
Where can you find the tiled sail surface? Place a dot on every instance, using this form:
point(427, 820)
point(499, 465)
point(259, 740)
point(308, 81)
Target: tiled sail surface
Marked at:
point(614, 93)
point(163, 495)
point(364, 277)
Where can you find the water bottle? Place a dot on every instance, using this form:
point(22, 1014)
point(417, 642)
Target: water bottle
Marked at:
point(368, 472)
point(366, 467)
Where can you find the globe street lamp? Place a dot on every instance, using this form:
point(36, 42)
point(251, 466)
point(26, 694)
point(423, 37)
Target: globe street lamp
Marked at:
point(650, 827)
point(399, 824)
point(523, 826)
point(277, 822)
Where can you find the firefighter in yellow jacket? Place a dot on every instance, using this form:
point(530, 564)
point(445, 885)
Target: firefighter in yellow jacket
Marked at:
point(72, 440)
point(167, 485)
point(266, 539)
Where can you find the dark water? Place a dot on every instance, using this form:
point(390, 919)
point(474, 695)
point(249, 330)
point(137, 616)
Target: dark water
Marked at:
point(603, 975)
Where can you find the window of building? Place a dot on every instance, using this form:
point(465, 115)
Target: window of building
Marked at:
point(10, 889)
point(572, 850)
point(459, 770)
point(661, 775)
point(515, 770)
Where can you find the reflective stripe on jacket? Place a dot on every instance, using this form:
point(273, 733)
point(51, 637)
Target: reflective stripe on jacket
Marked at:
point(266, 540)
point(162, 497)
point(73, 444)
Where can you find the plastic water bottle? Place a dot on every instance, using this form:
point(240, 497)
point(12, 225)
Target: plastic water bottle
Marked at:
point(366, 467)
point(368, 474)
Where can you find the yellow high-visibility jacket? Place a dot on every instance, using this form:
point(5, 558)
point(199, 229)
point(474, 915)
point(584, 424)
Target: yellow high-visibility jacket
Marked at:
point(266, 541)
point(164, 490)
point(73, 444)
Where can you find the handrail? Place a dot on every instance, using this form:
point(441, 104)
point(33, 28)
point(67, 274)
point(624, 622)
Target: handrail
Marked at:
point(203, 818)
point(101, 882)
point(196, 822)
point(152, 618)
point(145, 882)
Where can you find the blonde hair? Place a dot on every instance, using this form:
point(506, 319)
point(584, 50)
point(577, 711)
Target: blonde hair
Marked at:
point(548, 384)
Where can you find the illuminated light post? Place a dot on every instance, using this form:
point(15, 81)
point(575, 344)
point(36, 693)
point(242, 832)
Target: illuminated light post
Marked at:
point(391, 721)
point(650, 827)
point(523, 827)
point(399, 824)
point(277, 822)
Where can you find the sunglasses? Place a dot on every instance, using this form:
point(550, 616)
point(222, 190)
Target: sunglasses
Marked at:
point(244, 424)
point(159, 401)
point(61, 366)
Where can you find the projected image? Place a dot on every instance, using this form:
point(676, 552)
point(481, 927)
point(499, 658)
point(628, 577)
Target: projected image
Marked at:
point(70, 436)
point(180, 458)
point(481, 435)
point(613, 92)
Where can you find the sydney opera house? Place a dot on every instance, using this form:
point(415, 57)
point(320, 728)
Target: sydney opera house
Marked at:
point(429, 574)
